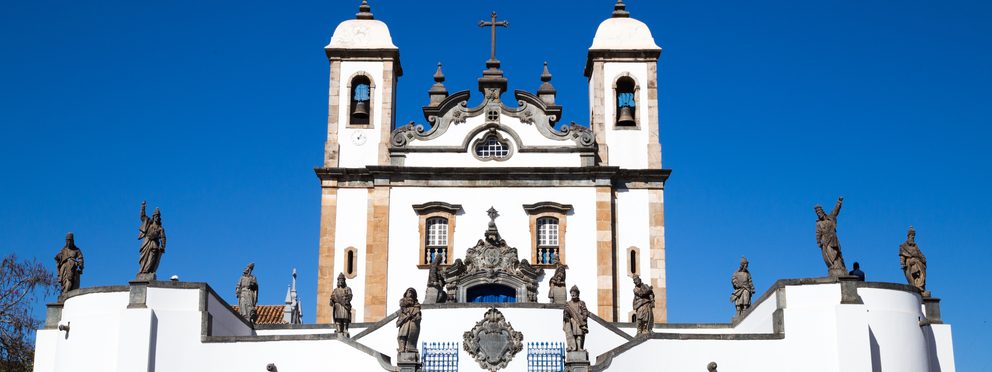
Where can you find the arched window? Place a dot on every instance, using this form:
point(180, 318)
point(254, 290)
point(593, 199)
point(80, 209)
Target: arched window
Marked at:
point(361, 100)
point(436, 240)
point(491, 147)
point(626, 105)
point(350, 262)
point(547, 240)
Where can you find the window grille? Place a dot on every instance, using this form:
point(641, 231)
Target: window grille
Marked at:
point(491, 147)
point(436, 240)
point(545, 357)
point(547, 240)
point(439, 356)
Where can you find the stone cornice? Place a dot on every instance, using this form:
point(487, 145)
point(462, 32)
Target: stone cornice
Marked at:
point(646, 55)
point(365, 54)
point(493, 176)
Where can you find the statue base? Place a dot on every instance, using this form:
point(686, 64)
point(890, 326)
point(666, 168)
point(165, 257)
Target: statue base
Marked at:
point(577, 361)
point(149, 277)
point(931, 310)
point(408, 361)
point(838, 272)
point(849, 289)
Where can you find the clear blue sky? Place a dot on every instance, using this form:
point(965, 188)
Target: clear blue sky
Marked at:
point(216, 111)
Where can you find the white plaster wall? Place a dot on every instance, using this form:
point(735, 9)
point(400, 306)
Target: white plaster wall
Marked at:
point(633, 229)
point(350, 231)
point(627, 147)
point(471, 223)
point(537, 325)
point(894, 319)
point(351, 154)
point(456, 134)
point(94, 322)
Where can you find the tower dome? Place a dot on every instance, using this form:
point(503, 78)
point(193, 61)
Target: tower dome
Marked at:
point(620, 32)
point(363, 32)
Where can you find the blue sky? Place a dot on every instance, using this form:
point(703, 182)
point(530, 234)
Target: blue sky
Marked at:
point(216, 112)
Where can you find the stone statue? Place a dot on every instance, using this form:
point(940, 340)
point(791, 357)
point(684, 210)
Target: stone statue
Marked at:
point(643, 306)
point(576, 322)
point(408, 322)
point(341, 306)
point(247, 292)
point(69, 262)
point(435, 283)
point(556, 286)
point(913, 263)
point(743, 288)
point(826, 238)
point(152, 245)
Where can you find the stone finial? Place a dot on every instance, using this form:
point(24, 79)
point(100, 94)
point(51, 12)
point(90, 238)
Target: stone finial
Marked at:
point(711, 367)
point(547, 91)
point(438, 92)
point(620, 10)
point(364, 11)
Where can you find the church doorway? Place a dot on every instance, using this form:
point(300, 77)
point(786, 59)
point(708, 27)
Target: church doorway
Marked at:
point(491, 293)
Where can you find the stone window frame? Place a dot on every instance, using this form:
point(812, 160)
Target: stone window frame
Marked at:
point(637, 267)
point(351, 80)
point(354, 266)
point(637, 103)
point(548, 209)
point(492, 132)
point(430, 210)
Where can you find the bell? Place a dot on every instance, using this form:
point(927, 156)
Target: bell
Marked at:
point(626, 116)
point(361, 110)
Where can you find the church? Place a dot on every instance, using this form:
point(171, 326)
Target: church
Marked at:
point(490, 236)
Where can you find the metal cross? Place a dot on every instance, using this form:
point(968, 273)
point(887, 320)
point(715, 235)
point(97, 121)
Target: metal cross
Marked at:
point(493, 23)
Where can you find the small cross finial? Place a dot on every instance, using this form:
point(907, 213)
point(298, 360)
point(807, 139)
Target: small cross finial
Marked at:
point(620, 10)
point(364, 11)
point(492, 214)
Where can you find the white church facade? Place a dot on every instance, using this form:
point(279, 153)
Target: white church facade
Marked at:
point(500, 196)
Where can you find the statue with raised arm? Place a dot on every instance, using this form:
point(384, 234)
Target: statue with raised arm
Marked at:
point(743, 288)
point(152, 245)
point(408, 322)
point(435, 293)
point(913, 263)
point(69, 262)
point(826, 238)
point(247, 292)
point(576, 322)
point(643, 306)
point(341, 306)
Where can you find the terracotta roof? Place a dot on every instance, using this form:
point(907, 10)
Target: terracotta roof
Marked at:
point(267, 314)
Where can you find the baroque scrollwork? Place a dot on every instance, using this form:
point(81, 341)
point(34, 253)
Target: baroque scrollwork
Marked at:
point(493, 342)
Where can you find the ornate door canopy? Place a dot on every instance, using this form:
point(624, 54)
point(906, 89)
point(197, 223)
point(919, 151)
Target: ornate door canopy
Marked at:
point(491, 261)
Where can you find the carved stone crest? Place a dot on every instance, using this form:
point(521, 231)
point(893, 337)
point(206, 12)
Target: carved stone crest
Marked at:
point(492, 261)
point(493, 342)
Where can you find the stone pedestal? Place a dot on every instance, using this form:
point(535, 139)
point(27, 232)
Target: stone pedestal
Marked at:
point(408, 361)
point(138, 294)
point(849, 289)
point(150, 277)
point(931, 310)
point(577, 361)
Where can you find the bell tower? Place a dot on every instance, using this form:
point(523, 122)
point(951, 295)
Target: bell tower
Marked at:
point(364, 68)
point(622, 67)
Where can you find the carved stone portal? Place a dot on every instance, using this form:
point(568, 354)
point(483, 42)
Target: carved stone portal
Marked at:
point(492, 262)
point(493, 342)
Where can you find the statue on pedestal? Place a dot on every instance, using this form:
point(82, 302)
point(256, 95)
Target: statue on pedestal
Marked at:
point(576, 322)
point(826, 238)
point(913, 263)
point(247, 292)
point(435, 283)
point(408, 322)
point(743, 288)
point(643, 306)
point(69, 262)
point(152, 245)
point(341, 306)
